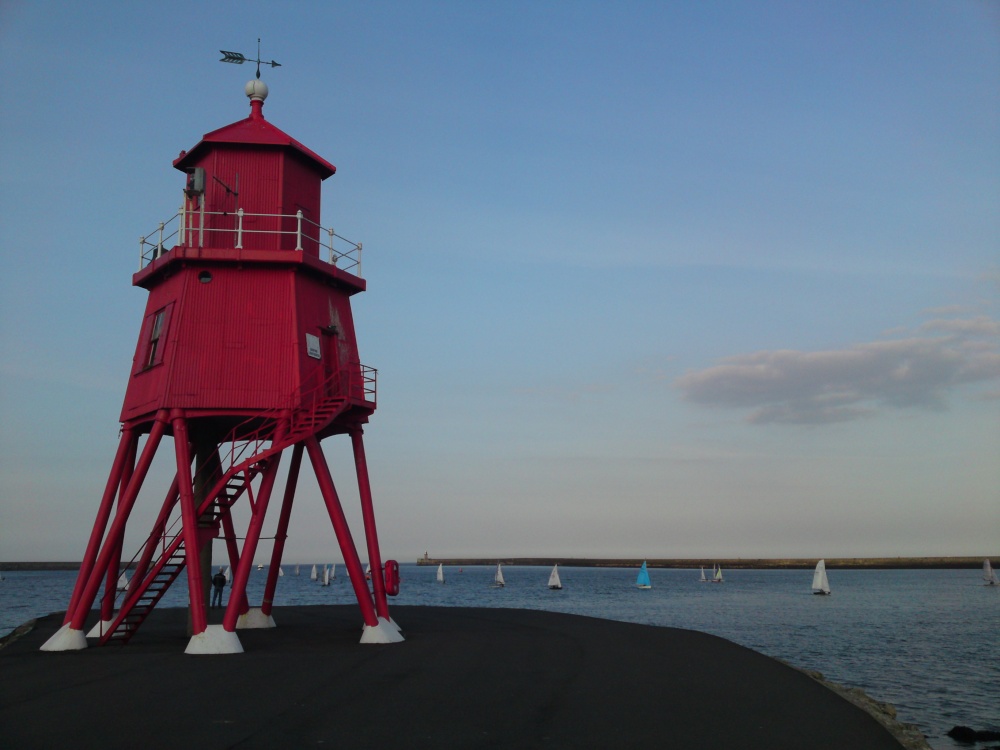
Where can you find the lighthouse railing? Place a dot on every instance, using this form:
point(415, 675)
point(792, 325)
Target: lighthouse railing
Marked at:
point(303, 407)
point(155, 244)
point(191, 230)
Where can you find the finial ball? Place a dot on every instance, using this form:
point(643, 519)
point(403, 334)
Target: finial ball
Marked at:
point(256, 90)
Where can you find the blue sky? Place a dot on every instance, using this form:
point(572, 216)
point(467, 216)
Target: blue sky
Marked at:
point(645, 279)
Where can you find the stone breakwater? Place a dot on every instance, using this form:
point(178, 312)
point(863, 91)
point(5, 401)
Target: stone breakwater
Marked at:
point(909, 735)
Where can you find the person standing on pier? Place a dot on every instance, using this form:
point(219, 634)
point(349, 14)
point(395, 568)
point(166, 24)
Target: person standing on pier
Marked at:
point(218, 584)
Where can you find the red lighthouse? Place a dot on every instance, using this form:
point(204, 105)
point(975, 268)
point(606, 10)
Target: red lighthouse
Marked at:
point(246, 349)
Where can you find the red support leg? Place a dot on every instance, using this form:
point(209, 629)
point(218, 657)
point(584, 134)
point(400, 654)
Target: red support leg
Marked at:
point(342, 530)
point(237, 594)
point(368, 515)
point(149, 549)
point(126, 443)
point(282, 531)
point(86, 598)
point(189, 519)
point(111, 579)
point(234, 560)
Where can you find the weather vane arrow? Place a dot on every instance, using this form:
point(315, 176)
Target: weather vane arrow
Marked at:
point(238, 58)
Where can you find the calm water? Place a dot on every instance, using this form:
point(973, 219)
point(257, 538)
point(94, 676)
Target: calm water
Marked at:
point(925, 641)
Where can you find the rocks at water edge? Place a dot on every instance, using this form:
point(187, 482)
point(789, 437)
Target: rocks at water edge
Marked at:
point(968, 734)
point(908, 735)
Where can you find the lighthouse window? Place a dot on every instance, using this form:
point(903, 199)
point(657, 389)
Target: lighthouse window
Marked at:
point(155, 355)
point(153, 338)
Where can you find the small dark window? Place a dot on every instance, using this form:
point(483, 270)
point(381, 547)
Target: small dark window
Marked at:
point(155, 356)
point(204, 277)
point(153, 339)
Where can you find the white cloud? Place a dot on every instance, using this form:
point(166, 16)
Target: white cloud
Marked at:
point(796, 387)
point(980, 326)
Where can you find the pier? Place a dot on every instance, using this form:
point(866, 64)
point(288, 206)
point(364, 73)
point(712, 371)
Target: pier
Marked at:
point(464, 677)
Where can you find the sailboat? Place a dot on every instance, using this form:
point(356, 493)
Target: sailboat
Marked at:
point(642, 580)
point(703, 579)
point(280, 571)
point(122, 582)
point(368, 572)
point(498, 581)
point(989, 575)
point(820, 583)
point(228, 574)
point(440, 573)
point(554, 582)
point(313, 576)
point(333, 571)
point(717, 575)
point(296, 570)
point(326, 576)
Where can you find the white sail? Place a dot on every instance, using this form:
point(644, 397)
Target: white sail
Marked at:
point(296, 570)
point(440, 573)
point(228, 574)
point(326, 576)
point(313, 574)
point(717, 577)
point(498, 577)
point(703, 579)
point(280, 571)
point(554, 582)
point(820, 583)
point(989, 575)
point(122, 582)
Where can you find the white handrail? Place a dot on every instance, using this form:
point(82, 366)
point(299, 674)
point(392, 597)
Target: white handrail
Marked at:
point(340, 251)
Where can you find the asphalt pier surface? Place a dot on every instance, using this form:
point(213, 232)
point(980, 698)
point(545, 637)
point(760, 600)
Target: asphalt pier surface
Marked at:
point(464, 678)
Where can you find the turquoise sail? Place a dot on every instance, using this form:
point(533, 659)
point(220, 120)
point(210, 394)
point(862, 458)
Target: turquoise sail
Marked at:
point(642, 581)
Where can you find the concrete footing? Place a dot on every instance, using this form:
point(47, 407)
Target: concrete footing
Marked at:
point(214, 640)
point(255, 619)
point(102, 627)
point(385, 632)
point(65, 639)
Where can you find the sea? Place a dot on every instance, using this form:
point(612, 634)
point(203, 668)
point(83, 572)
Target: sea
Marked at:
point(925, 641)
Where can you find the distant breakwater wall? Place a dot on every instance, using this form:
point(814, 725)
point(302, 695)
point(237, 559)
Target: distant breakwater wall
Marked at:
point(860, 563)
point(39, 566)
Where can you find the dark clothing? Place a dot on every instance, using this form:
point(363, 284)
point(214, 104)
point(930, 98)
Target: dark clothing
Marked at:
point(218, 584)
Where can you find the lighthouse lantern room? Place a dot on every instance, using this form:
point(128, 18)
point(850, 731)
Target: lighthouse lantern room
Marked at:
point(246, 352)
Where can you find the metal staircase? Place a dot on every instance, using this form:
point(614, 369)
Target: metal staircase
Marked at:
point(247, 458)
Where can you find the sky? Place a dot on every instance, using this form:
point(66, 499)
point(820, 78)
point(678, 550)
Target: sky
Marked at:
point(645, 279)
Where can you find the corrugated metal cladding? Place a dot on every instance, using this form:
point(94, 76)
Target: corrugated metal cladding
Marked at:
point(259, 180)
point(301, 191)
point(326, 313)
point(235, 347)
point(144, 394)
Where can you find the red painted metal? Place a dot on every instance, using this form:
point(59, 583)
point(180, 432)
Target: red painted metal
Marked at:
point(242, 573)
point(247, 347)
point(189, 514)
point(351, 560)
point(368, 516)
point(391, 577)
point(282, 531)
point(85, 598)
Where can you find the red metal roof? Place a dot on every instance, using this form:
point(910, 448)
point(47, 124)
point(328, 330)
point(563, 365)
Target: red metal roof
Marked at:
point(254, 130)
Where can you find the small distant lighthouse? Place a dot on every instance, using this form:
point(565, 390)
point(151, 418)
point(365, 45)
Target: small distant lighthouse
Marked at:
point(246, 349)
